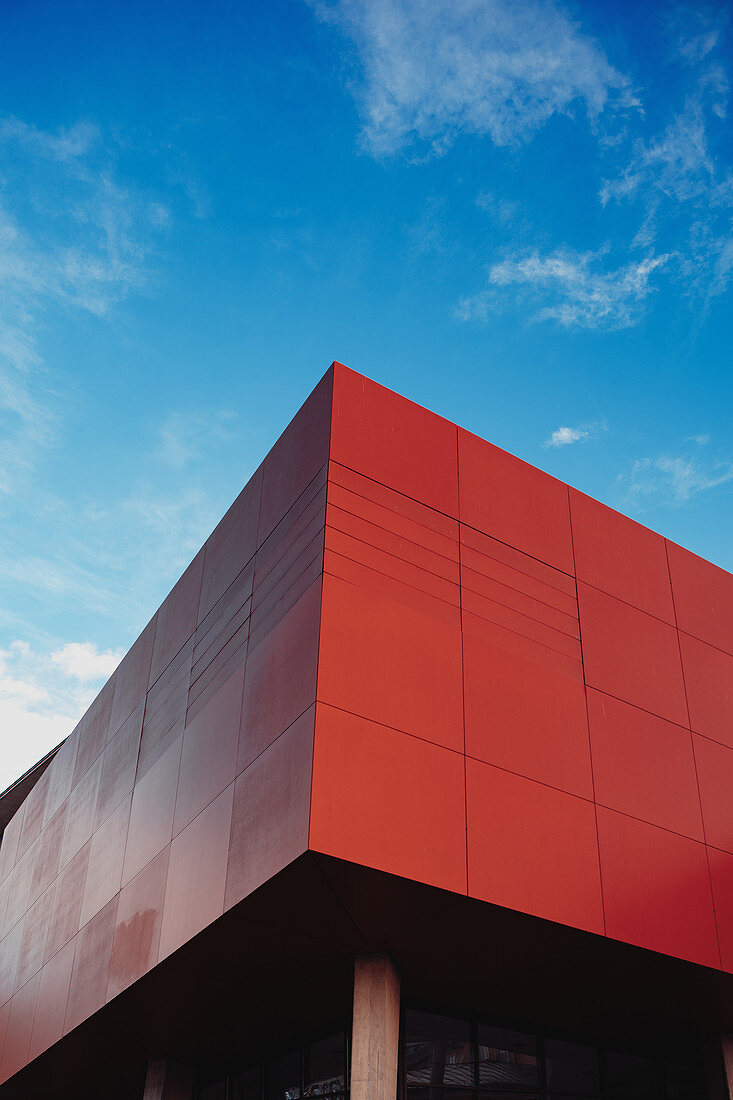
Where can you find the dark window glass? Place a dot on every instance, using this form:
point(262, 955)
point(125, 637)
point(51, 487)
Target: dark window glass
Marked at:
point(628, 1075)
point(570, 1067)
point(248, 1085)
point(506, 1059)
point(283, 1077)
point(426, 1093)
point(684, 1083)
point(438, 1050)
point(217, 1091)
point(326, 1067)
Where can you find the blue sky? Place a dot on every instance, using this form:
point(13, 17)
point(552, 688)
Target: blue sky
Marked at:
point(516, 212)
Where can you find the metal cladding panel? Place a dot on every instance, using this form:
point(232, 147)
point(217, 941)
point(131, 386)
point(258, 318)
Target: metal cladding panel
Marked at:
point(523, 695)
point(408, 649)
point(187, 783)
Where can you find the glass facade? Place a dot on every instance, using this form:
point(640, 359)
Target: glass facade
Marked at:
point(463, 1058)
point(313, 1068)
point(446, 1057)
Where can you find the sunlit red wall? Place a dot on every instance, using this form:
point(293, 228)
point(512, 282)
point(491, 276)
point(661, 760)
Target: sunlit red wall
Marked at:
point(523, 695)
point(408, 649)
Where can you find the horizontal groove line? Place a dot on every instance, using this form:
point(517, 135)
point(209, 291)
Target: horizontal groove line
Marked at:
point(483, 596)
point(633, 606)
point(281, 551)
point(379, 573)
point(389, 554)
point(389, 489)
point(384, 508)
point(268, 585)
point(522, 572)
point(388, 531)
point(527, 637)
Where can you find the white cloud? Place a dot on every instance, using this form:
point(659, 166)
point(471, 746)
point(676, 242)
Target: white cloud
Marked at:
point(43, 694)
point(677, 163)
point(434, 68)
point(581, 294)
point(564, 436)
point(672, 480)
point(696, 31)
point(85, 662)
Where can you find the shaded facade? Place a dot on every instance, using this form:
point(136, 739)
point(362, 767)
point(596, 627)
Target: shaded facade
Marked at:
point(414, 705)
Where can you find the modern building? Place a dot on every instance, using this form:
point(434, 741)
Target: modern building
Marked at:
point(418, 784)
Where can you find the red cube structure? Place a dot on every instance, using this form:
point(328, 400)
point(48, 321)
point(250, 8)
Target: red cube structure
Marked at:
point(416, 784)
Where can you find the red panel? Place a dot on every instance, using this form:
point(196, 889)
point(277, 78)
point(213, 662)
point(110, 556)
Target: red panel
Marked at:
point(67, 898)
point(620, 557)
point(656, 889)
point(137, 932)
point(271, 811)
point(514, 502)
point(532, 848)
point(194, 895)
point(9, 960)
point(394, 441)
point(358, 532)
point(709, 681)
point(10, 842)
point(176, 620)
point(715, 776)
point(19, 888)
point(118, 766)
point(131, 677)
point(391, 664)
point(33, 817)
point(35, 930)
point(106, 854)
point(643, 765)
point(153, 804)
point(525, 717)
point(281, 677)
point(721, 874)
point(60, 775)
point(396, 588)
point(20, 1025)
point(46, 864)
point(48, 1025)
point(94, 729)
point(231, 545)
point(81, 812)
point(91, 967)
point(387, 800)
point(300, 452)
point(209, 754)
point(703, 596)
point(631, 655)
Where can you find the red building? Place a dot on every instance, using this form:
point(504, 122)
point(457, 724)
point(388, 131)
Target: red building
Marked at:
point(419, 776)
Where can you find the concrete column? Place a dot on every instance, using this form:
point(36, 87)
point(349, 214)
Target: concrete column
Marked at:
point(726, 1049)
point(375, 1029)
point(168, 1080)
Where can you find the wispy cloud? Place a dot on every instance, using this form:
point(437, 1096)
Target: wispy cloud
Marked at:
point(694, 32)
point(184, 435)
point(569, 287)
point(679, 179)
point(72, 238)
point(564, 436)
point(431, 69)
point(671, 480)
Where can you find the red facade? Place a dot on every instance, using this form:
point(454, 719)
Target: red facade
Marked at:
point(406, 649)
